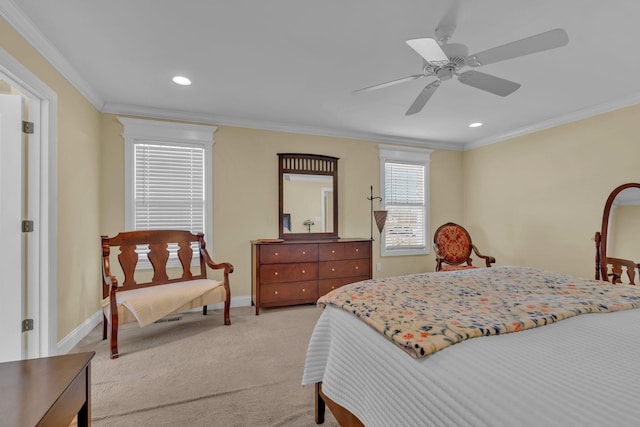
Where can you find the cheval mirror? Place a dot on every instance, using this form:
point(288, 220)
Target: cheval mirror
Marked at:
point(308, 193)
point(617, 243)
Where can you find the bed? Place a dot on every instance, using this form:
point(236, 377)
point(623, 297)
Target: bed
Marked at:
point(574, 358)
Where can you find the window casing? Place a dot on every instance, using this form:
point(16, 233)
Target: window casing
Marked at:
point(168, 177)
point(404, 176)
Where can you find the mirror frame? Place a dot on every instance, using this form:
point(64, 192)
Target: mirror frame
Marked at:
point(602, 236)
point(309, 164)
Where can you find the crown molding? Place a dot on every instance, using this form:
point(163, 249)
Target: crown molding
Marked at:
point(27, 29)
point(575, 116)
point(190, 116)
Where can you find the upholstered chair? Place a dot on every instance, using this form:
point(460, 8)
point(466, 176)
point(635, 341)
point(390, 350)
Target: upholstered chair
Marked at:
point(453, 246)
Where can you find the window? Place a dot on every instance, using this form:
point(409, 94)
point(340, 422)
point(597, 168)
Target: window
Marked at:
point(168, 177)
point(404, 173)
point(168, 187)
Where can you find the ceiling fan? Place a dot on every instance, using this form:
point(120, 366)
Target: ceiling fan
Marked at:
point(443, 60)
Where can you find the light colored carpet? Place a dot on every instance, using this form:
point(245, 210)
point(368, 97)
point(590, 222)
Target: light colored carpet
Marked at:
point(198, 372)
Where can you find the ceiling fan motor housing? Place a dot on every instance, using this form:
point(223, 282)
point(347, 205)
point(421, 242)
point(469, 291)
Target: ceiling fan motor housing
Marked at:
point(446, 72)
point(457, 53)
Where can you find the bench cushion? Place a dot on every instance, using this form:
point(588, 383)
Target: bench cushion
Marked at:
point(146, 305)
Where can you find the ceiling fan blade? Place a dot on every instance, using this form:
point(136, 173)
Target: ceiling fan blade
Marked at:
point(488, 83)
point(391, 83)
point(538, 43)
point(423, 98)
point(447, 25)
point(430, 50)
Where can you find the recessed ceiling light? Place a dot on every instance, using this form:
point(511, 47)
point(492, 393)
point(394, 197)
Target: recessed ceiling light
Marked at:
point(475, 125)
point(182, 81)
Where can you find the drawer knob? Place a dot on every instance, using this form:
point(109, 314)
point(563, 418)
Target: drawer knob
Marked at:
point(276, 254)
point(333, 287)
point(333, 251)
point(357, 249)
point(357, 267)
point(304, 271)
point(275, 292)
point(276, 273)
point(304, 290)
point(304, 252)
point(333, 269)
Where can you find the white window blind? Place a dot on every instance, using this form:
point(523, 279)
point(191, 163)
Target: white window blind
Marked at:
point(404, 174)
point(169, 187)
point(405, 203)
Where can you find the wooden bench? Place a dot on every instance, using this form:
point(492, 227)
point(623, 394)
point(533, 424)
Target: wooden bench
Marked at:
point(148, 301)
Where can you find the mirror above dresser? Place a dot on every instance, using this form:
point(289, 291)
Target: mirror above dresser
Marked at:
point(308, 196)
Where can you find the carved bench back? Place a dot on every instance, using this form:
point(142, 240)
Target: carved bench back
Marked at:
point(157, 242)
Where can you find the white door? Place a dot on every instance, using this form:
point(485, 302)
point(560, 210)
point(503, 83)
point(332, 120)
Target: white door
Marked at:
point(11, 239)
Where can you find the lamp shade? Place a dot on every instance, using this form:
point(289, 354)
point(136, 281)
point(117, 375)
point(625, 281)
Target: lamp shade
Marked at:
point(381, 218)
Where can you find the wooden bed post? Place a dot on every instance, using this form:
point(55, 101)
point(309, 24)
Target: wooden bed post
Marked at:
point(320, 406)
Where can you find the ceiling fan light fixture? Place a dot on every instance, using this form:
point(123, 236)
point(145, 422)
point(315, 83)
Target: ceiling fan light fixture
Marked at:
point(181, 80)
point(475, 125)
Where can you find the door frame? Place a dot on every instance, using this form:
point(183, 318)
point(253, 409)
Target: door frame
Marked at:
point(43, 181)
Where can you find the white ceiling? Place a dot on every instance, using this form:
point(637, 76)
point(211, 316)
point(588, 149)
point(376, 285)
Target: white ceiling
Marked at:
point(292, 64)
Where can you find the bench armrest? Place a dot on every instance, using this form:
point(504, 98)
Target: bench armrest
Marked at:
point(228, 268)
point(110, 282)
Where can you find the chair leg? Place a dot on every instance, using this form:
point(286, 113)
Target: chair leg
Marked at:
point(204, 310)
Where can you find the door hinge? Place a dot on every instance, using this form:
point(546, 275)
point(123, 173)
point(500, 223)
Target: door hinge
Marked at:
point(27, 226)
point(27, 325)
point(27, 127)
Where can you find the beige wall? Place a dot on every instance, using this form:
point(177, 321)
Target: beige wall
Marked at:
point(78, 184)
point(537, 200)
point(245, 205)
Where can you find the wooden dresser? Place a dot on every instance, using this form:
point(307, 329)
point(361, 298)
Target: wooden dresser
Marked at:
point(300, 271)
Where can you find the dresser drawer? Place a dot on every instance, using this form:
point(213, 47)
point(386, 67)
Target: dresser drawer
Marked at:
point(343, 268)
point(271, 254)
point(281, 293)
point(348, 250)
point(281, 273)
point(327, 285)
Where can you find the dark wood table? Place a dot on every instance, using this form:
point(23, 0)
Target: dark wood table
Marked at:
point(49, 391)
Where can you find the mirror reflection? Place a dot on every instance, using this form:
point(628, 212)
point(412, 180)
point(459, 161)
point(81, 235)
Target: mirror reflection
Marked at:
point(307, 203)
point(624, 225)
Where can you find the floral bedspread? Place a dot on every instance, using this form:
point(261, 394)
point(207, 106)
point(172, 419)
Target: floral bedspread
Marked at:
point(424, 313)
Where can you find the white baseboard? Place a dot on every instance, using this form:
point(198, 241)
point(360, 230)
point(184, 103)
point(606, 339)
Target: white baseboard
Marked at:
point(235, 302)
point(74, 337)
